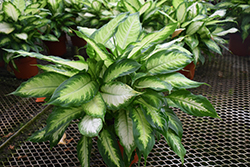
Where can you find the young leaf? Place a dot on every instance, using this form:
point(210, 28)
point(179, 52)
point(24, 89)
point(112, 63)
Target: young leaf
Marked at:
point(152, 82)
point(128, 31)
point(109, 149)
point(84, 151)
point(11, 11)
point(40, 85)
point(143, 132)
point(90, 126)
point(117, 94)
point(120, 68)
point(153, 37)
point(105, 33)
point(175, 144)
point(96, 107)
point(167, 62)
point(124, 130)
point(61, 116)
point(196, 105)
point(75, 91)
point(179, 81)
point(102, 55)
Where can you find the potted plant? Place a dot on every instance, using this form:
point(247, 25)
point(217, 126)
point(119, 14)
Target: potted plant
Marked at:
point(60, 21)
point(123, 95)
point(239, 43)
point(201, 27)
point(19, 23)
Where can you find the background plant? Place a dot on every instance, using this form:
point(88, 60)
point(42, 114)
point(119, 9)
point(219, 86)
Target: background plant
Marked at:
point(125, 94)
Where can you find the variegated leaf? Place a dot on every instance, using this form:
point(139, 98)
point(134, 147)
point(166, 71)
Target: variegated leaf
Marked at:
point(145, 7)
point(152, 82)
point(124, 130)
point(90, 126)
point(128, 31)
point(167, 62)
point(75, 91)
point(174, 122)
point(106, 32)
point(41, 85)
point(191, 41)
point(212, 45)
point(96, 107)
point(56, 136)
point(175, 144)
point(22, 36)
point(117, 94)
point(20, 4)
point(101, 54)
point(152, 114)
point(84, 151)
point(194, 27)
point(153, 37)
point(181, 12)
point(11, 11)
point(79, 65)
point(4, 40)
point(58, 69)
point(61, 116)
point(179, 81)
point(109, 149)
point(38, 136)
point(196, 105)
point(153, 98)
point(120, 68)
point(6, 28)
point(143, 132)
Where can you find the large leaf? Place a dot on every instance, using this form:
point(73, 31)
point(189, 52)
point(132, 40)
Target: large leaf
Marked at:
point(153, 98)
point(129, 7)
point(106, 32)
point(196, 105)
point(42, 85)
point(61, 116)
point(11, 11)
point(75, 91)
point(176, 3)
point(191, 41)
point(84, 151)
point(143, 132)
point(117, 94)
point(79, 65)
point(124, 130)
point(38, 136)
point(194, 27)
point(179, 81)
point(152, 82)
point(109, 149)
point(96, 107)
point(101, 54)
point(120, 68)
point(20, 4)
point(90, 126)
point(153, 37)
point(175, 144)
point(167, 62)
point(128, 31)
point(6, 28)
point(135, 3)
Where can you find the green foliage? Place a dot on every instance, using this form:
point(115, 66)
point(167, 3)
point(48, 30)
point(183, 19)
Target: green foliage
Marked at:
point(124, 93)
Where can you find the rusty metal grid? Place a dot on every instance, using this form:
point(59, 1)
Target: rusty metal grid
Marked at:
point(208, 141)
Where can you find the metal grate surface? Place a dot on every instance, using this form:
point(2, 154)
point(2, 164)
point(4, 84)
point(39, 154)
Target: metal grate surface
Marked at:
point(208, 141)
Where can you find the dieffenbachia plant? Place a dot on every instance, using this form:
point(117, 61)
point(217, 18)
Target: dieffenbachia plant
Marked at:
point(202, 30)
point(123, 91)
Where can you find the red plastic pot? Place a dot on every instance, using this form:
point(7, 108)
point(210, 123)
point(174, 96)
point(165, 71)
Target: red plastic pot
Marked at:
point(57, 48)
point(237, 46)
point(189, 71)
point(77, 41)
point(25, 66)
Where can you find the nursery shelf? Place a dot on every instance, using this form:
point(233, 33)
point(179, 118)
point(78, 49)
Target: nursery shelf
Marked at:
point(208, 141)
